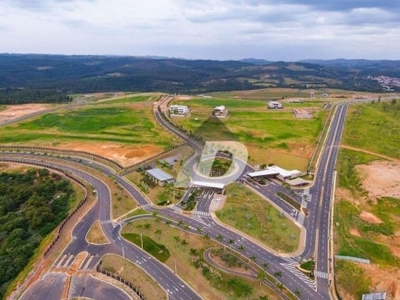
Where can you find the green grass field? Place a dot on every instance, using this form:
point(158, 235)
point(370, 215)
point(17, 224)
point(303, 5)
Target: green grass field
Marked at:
point(248, 212)
point(375, 127)
point(264, 94)
point(347, 216)
point(132, 99)
point(359, 283)
point(109, 122)
point(252, 124)
point(158, 250)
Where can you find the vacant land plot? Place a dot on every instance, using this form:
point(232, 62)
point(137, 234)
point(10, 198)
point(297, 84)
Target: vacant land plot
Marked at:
point(121, 132)
point(261, 130)
point(186, 258)
point(253, 215)
point(367, 211)
point(8, 113)
point(288, 93)
point(374, 127)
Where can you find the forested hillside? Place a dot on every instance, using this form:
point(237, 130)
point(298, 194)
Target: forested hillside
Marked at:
point(88, 74)
point(21, 96)
point(32, 204)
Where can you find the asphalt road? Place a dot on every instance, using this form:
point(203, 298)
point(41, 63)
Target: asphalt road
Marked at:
point(317, 224)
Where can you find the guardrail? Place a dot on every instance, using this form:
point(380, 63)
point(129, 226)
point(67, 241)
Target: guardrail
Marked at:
point(62, 152)
point(354, 259)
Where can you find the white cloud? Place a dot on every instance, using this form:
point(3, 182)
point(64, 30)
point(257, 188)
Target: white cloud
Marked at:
point(218, 29)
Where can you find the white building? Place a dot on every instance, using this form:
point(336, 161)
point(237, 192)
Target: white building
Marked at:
point(220, 111)
point(180, 110)
point(275, 105)
point(277, 172)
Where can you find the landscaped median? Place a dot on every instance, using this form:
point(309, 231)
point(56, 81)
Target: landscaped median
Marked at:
point(246, 211)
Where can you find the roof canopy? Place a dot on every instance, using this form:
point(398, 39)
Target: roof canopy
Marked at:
point(159, 174)
point(208, 184)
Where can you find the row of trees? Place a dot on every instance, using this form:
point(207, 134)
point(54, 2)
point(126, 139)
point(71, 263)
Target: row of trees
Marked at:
point(21, 96)
point(32, 204)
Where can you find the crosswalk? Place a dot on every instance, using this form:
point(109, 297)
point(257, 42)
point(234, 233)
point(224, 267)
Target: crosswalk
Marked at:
point(67, 261)
point(199, 219)
point(201, 213)
point(291, 267)
point(207, 193)
point(300, 218)
point(321, 274)
point(146, 206)
point(176, 208)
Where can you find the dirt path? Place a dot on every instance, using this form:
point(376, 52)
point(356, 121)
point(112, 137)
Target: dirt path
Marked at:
point(370, 152)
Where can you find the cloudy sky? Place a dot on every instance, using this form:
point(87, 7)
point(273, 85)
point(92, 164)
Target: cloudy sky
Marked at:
point(207, 29)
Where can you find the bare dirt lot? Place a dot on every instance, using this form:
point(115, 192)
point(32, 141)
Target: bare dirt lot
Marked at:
point(125, 155)
point(16, 111)
point(379, 179)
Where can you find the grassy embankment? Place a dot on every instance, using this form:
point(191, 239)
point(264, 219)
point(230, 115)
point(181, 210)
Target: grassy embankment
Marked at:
point(253, 215)
point(271, 136)
point(372, 127)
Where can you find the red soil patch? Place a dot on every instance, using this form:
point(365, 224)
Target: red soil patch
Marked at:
point(16, 111)
point(381, 179)
point(370, 218)
point(355, 232)
point(125, 155)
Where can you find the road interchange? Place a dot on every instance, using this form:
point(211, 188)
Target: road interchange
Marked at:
point(317, 224)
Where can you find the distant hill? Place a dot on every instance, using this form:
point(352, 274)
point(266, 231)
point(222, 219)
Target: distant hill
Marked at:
point(94, 73)
point(256, 61)
point(368, 67)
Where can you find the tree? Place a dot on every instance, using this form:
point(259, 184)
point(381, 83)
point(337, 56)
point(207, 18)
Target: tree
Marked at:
point(261, 276)
point(265, 265)
point(219, 237)
point(177, 239)
point(184, 243)
point(297, 292)
point(158, 232)
point(246, 290)
point(278, 274)
point(253, 258)
point(147, 225)
point(241, 248)
point(231, 241)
